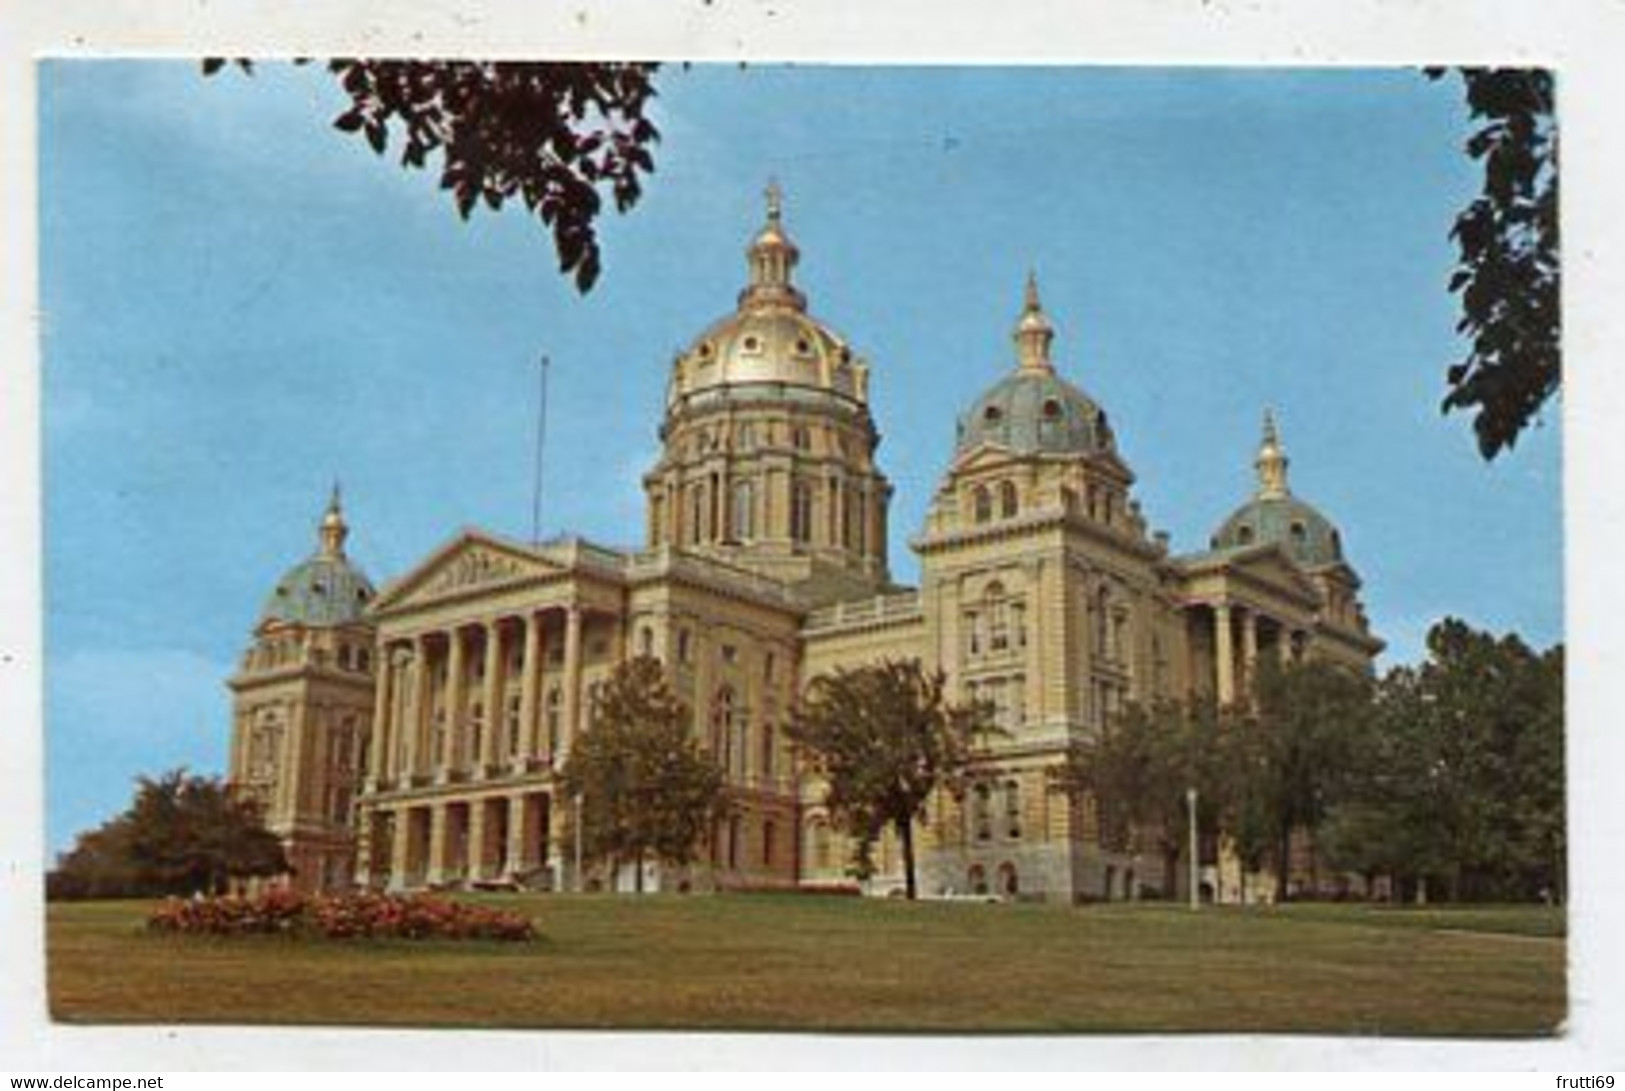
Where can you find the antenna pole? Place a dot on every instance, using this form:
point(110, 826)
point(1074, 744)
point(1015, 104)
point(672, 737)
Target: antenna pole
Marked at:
point(541, 443)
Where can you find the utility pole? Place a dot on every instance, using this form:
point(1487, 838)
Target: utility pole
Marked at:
point(1190, 805)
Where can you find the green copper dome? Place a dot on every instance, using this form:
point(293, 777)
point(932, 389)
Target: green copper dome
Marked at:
point(1307, 536)
point(326, 589)
point(1032, 412)
point(1275, 517)
point(1033, 409)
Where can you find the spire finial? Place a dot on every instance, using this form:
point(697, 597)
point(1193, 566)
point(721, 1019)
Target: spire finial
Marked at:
point(333, 529)
point(775, 200)
point(1271, 463)
point(1033, 331)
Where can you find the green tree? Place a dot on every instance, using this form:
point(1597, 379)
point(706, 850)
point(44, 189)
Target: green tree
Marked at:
point(551, 134)
point(645, 787)
point(883, 738)
point(1137, 772)
point(1462, 782)
point(181, 835)
point(1507, 274)
point(1297, 741)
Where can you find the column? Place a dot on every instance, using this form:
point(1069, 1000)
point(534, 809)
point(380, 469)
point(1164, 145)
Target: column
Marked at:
point(530, 669)
point(438, 845)
point(514, 852)
point(380, 722)
point(417, 688)
point(400, 846)
point(1249, 649)
point(476, 841)
point(496, 716)
point(447, 758)
point(1223, 654)
point(363, 847)
point(572, 677)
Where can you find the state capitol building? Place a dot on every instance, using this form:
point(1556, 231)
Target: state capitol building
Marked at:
point(411, 736)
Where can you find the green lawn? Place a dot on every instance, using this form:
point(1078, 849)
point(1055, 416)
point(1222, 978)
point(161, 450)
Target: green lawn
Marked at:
point(810, 963)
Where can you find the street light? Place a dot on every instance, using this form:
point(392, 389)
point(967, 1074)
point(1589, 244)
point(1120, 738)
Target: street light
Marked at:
point(578, 801)
point(1190, 804)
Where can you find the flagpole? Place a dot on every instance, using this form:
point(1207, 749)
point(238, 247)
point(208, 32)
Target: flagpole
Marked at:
point(541, 443)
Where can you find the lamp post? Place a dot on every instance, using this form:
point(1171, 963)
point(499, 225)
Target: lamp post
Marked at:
point(578, 802)
point(1190, 805)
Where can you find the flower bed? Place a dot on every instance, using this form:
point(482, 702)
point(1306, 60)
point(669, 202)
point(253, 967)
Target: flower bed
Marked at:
point(340, 916)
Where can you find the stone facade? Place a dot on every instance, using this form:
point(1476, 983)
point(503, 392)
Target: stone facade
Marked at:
point(413, 738)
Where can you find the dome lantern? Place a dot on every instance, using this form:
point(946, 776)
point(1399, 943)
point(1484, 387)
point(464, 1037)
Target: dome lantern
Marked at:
point(772, 256)
point(1033, 334)
point(1271, 463)
point(334, 530)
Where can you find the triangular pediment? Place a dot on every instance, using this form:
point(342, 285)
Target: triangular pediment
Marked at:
point(1269, 564)
point(469, 561)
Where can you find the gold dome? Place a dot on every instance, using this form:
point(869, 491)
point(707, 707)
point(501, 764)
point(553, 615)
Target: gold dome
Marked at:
point(770, 339)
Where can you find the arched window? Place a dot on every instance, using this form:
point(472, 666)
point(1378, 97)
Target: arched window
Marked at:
point(982, 504)
point(1009, 886)
point(1245, 534)
point(982, 812)
point(998, 618)
point(1012, 808)
point(512, 724)
point(1102, 605)
point(646, 640)
point(722, 729)
point(696, 514)
point(770, 833)
point(976, 879)
point(1008, 503)
point(801, 519)
point(744, 511)
point(1300, 534)
point(555, 710)
point(769, 745)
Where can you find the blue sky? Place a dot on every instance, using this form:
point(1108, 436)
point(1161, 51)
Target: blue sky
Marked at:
point(241, 304)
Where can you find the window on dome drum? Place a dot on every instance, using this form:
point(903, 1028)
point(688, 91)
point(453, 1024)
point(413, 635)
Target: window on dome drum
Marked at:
point(685, 650)
point(992, 414)
point(747, 437)
point(646, 641)
point(1008, 502)
point(801, 513)
point(1052, 409)
point(982, 504)
point(752, 344)
point(800, 438)
point(1300, 533)
point(1244, 535)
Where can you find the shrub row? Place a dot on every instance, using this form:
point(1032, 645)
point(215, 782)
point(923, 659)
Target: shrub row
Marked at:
point(339, 916)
